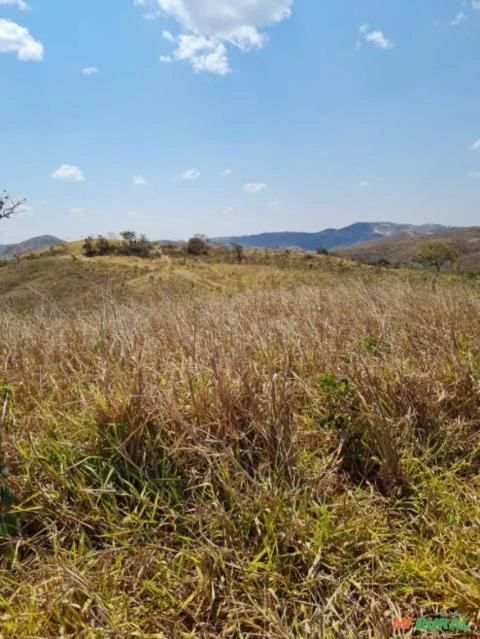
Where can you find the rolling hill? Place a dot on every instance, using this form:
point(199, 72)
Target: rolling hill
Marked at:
point(332, 238)
point(402, 248)
point(8, 251)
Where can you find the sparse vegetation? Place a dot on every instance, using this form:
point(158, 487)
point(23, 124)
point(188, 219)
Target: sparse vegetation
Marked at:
point(293, 460)
point(131, 245)
point(8, 206)
point(197, 246)
point(239, 252)
point(437, 253)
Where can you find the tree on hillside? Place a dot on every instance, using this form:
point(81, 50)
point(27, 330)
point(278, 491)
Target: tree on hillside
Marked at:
point(9, 207)
point(437, 253)
point(197, 245)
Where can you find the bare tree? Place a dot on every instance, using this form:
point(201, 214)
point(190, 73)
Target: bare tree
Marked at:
point(9, 207)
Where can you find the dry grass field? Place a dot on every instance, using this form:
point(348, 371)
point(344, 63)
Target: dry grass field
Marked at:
point(201, 450)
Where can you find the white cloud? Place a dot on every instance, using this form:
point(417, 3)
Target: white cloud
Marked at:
point(166, 35)
point(138, 180)
point(476, 145)
point(229, 209)
point(21, 4)
point(226, 172)
point(365, 185)
point(68, 173)
point(254, 187)
point(77, 210)
point(17, 39)
point(89, 70)
point(476, 5)
point(191, 174)
point(204, 54)
point(459, 19)
point(375, 37)
point(474, 174)
point(209, 28)
point(275, 204)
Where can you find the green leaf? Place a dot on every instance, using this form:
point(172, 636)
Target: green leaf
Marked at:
point(9, 525)
point(6, 496)
point(4, 471)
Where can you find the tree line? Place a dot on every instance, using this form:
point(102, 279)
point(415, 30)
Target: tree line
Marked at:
point(130, 244)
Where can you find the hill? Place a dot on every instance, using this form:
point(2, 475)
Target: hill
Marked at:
point(33, 244)
point(62, 277)
point(401, 249)
point(332, 238)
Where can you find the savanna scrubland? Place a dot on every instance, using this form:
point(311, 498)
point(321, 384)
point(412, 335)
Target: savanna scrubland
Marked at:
point(196, 448)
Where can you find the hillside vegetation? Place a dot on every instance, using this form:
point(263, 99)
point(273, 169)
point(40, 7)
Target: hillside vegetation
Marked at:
point(236, 450)
point(402, 248)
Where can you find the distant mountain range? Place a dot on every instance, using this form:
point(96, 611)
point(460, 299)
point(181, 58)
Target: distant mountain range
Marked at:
point(333, 238)
point(8, 251)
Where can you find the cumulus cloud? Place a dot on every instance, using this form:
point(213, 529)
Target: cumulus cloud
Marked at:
point(20, 4)
point(89, 70)
point(204, 54)
point(254, 187)
point(191, 174)
point(208, 29)
point(376, 38)
point(17, 39)
point(459, 19)
point(476, 145)
point(68, 173)
point(138, 180)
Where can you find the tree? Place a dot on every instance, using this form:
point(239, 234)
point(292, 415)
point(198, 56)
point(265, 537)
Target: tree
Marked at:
point(104, 247)
point(89, 247)
point(9, 207)
point(197, 245)
point(129, 238)
point(239, 253)
point(437, 253)
point(143, 246)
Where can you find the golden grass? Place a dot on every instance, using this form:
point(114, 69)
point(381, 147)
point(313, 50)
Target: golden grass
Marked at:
point(298, 460)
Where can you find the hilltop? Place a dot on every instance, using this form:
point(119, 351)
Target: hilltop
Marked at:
point(62, 276)
point(34, 243)
point(332, 238)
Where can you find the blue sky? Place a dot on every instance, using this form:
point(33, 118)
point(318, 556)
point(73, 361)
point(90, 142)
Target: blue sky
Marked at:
point(175, 117)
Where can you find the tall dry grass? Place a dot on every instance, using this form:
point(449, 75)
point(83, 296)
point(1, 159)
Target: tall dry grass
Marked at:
point(299, 463)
